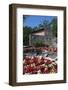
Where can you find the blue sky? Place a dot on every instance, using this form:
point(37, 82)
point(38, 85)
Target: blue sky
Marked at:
point(34, 20)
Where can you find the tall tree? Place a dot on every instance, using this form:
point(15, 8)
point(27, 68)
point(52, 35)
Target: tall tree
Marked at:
point(26, 31)
point(53, 26)
point(44, 24)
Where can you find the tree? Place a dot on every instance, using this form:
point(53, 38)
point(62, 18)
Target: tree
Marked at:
point(50, 24)
point(26, 31)
point(40, 26)
point(53, 26)
point(43, 24)
point(35, 28)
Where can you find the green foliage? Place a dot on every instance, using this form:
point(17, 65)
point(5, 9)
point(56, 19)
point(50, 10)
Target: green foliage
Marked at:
point(45, 23)
point(38, 43)
point(26, 32)
point(54, 26)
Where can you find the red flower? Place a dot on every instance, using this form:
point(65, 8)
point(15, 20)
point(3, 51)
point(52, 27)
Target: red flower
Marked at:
point(55, 49)
point(29, 69)
point(31, 61)
point(47, 61)
point(46, 70)
point(35, 59)
point(42, 69)
point(38, 67)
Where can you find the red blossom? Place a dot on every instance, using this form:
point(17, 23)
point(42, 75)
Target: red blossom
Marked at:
point(38, 65)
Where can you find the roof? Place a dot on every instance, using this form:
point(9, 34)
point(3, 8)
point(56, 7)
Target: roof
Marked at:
point(38, 30)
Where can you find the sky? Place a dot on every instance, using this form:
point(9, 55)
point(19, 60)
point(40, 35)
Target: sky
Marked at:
point(34, 20)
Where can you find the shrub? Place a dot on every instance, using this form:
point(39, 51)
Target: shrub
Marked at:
point(39, 43)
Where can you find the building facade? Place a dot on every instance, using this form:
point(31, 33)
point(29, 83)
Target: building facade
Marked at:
point(45, 35)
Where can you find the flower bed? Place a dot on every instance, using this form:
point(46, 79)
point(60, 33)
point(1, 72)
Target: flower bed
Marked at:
point(39, 65)
point(41, 49)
